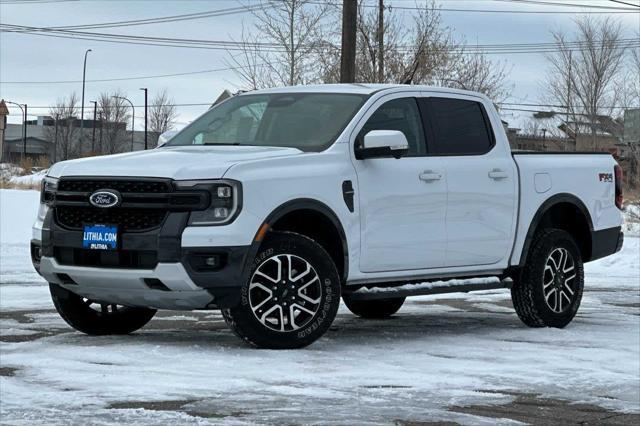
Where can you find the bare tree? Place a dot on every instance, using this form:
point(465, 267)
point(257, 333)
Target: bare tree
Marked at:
point(628, 84)
point(162, 114)
point(423, 52)
point(285, 41)
point(475, 71)
point(115, 116)
point(64, 133)
point(587, 75)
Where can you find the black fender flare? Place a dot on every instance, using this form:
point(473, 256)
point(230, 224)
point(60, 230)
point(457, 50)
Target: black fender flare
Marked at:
point(291, 206)
point(542, 210)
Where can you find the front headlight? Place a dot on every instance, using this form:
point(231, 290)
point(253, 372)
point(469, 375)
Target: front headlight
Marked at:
point(48, 189)
point(226, 200)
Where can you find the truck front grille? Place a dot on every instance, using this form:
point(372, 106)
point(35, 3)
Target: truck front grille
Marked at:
point(127, 219)
point(122, 185)
point(146, 202)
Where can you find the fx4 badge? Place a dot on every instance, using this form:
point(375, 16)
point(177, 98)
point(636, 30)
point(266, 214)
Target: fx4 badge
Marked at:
point(605, 177)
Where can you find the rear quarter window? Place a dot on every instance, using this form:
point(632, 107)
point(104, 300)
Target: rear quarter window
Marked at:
point(456, 126)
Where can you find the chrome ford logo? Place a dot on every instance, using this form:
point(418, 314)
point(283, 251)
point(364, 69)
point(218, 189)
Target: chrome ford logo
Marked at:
point(105, 198)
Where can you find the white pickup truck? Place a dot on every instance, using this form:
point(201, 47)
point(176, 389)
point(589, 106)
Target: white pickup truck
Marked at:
point(276, 203)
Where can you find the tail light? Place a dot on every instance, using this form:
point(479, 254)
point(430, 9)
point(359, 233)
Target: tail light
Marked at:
point(619, 197)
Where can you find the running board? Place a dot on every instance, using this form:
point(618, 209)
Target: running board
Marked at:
point(441, 287)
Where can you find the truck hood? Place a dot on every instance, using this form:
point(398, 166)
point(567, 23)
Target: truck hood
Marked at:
point(180, 163)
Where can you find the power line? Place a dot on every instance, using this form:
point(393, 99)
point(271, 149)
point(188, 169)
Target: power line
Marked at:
point(561, 4)
point(164, 19)
point(144, 77)
point(601, 9)
point(624, 2)
point(230, 45)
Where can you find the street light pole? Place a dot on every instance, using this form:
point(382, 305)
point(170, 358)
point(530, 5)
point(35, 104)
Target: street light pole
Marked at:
point(93, 135)
point(145, 117)
point(84, 73)
point(24, 127)
point(55, 140)
point(133, 117)
point(101, 125)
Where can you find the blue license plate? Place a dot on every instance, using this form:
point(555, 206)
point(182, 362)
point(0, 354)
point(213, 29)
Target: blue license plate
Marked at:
point(100, 237)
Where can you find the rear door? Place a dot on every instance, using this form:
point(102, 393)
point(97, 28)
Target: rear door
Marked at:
point(481, 179)
point(402, 201)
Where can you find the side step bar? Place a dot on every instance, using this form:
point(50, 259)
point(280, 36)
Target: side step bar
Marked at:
point(440, 287)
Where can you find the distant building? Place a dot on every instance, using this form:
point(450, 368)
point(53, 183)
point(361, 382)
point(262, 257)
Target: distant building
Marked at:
point(632, 126)
point(550, 131)
point(41, 135)
point(36, 144)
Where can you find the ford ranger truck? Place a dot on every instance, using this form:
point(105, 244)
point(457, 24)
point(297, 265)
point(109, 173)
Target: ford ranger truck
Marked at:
point(276, 204)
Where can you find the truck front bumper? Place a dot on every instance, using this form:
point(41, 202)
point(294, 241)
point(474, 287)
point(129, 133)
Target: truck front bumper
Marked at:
point(167, 286)
point(174, 277)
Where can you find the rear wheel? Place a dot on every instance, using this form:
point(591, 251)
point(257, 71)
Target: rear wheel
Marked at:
point(373, 309)
point(291, 297)
point(98, 318)
point(549, 289)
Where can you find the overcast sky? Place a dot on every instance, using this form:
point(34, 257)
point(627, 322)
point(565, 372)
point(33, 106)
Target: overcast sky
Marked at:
point(34, 58)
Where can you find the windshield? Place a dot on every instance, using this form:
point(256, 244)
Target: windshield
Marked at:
point(307, 121)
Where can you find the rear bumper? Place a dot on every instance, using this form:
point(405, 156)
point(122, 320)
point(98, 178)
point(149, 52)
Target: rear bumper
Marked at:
point(606, 242)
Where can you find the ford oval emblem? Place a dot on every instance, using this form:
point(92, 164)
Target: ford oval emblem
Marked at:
point(105, 198)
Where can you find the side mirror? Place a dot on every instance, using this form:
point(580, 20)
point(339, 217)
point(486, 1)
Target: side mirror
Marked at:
point(165, 137)
point(383, 143)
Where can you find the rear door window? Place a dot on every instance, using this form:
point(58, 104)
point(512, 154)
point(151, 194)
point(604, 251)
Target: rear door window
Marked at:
point(456, 126)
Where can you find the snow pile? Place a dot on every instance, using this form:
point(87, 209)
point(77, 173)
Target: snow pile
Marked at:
point(632, 219)
point(8, 170)
point(32, 179)
point(18, 211)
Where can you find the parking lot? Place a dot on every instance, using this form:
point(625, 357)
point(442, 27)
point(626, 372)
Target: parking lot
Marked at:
point(459, 358)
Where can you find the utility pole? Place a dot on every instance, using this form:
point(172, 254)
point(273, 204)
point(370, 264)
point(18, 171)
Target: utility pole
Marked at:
point(93, 135)
point(145, 117)
point(84, 73)
point(348, 52)
point(380, 41)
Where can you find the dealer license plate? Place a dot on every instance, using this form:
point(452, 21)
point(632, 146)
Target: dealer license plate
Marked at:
point(100, 237)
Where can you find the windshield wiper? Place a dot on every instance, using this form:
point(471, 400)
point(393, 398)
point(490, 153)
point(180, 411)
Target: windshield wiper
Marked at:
point(224, 144)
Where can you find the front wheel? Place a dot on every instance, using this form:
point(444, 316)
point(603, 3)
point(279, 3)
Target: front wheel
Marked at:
point(291, 297)
point(549, 289)
point(373, 309)
point(98, 318)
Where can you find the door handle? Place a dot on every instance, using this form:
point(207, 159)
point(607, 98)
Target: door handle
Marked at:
point(498, 174)
point(430, 176)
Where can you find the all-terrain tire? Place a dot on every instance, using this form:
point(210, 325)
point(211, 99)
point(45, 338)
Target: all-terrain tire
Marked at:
point(108, 318)
point(534, 300)
point(373, 309)
point(291, 296)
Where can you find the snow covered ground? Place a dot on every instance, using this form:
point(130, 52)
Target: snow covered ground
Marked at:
point(438, 354)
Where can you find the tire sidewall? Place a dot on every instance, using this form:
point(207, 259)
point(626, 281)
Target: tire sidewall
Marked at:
point(561, 239)
point(309, 250)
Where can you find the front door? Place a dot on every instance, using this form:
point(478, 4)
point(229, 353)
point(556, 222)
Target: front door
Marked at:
point(402, 201)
